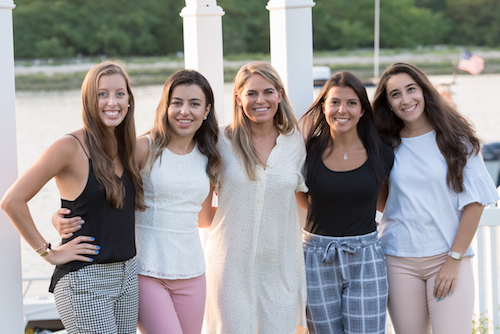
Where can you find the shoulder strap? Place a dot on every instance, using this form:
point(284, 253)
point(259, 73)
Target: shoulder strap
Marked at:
point(80, 144)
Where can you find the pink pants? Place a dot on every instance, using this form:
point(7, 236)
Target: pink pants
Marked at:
point(412, 307)
point(171, 306)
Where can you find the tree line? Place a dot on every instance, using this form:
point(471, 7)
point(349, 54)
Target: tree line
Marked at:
point(65, 28)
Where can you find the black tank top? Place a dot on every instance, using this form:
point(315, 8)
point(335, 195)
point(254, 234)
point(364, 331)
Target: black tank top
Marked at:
point(113, 229)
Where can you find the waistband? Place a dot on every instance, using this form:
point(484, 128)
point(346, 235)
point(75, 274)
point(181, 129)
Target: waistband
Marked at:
point(356, 241)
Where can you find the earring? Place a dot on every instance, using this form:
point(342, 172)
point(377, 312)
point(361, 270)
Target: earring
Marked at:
point(129, 105)
point(390, 108)
point(204, 118)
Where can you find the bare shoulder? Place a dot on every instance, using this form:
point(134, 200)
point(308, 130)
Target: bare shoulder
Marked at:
point(141, 151)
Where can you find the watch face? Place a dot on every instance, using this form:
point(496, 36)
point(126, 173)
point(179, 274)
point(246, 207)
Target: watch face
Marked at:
point(456, 255)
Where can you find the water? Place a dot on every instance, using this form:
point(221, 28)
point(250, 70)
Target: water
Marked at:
point(43, 117)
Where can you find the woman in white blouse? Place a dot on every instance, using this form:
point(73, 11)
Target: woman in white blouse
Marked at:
point(179, 161)
point(437, 190)
point(255, 266)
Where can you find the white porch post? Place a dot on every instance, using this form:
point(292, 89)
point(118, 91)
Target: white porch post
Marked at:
point(202, 21)
point(291, 49)
point(11, 307)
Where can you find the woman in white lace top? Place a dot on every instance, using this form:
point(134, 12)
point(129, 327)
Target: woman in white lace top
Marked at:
point(179, 163)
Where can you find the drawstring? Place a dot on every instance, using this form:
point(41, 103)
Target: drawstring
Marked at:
point(334, 247)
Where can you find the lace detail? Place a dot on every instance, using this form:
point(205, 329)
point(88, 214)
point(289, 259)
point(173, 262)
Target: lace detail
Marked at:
point(168, 243)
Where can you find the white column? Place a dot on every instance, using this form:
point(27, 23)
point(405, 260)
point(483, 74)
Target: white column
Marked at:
point(202, 21)
point(11, 307)
point(291, 49)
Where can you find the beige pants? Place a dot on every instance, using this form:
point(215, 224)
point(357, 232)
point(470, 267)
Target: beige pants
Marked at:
point(412, 307)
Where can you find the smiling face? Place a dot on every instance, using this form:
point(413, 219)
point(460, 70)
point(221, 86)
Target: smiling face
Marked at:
point(186, 110)
point(259, 99)
point(113, 99)
point(342, 109)
point(406, 98)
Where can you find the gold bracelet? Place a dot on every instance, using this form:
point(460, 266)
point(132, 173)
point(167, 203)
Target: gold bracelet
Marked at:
point(39, 249)
point(47, 251)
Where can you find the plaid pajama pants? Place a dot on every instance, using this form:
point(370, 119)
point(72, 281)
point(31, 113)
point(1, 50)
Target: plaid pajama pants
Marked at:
point(99, 299)
point(347, 286)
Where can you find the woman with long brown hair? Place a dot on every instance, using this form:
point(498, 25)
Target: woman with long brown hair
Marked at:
point(346, 166)
point(437, 190)
point(95, 280)
point(179, 164)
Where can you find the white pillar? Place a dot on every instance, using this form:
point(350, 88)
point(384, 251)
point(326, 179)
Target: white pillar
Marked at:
point(11, 307)
point(202, 21)
point(291, 49)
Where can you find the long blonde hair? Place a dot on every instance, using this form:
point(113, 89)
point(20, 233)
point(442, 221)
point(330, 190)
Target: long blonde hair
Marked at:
point(206, 136)
point(239, 131)
point(100, 140)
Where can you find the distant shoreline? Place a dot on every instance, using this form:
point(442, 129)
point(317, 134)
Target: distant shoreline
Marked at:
point(34, 75)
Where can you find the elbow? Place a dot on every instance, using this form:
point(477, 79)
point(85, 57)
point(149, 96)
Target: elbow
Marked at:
point(6, 203)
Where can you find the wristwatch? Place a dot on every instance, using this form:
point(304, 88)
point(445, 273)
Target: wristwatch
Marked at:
point(455, 255)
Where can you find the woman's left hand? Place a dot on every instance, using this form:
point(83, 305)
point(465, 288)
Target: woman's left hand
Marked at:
point(446, 279)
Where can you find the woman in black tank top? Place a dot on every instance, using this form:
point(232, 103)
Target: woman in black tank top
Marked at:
point(347, 165)
point(95, 281)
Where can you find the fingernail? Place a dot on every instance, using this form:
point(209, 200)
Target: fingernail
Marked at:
point(99, 247)
point(82, 222)
point(449, 294)
point(442, 297)
point(438, 300)
point(71, 234)
point(68, 210)
point(79, 226)
point(97, 252)
point(434, 296)
point(92, 238)
point(91, 259)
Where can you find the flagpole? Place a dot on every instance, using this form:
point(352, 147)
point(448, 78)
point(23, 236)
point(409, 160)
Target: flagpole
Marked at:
point(455, 69)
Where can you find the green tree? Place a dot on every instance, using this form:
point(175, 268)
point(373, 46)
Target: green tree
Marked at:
point(475, 22)
point(345, 24)
point(245, 26)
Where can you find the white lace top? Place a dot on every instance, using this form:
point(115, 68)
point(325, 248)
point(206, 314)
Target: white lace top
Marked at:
point(168, 243)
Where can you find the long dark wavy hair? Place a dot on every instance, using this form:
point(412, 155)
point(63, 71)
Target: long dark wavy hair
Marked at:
point(100, 140)
point(317, 131)
point(206, 136)
point(455, 136)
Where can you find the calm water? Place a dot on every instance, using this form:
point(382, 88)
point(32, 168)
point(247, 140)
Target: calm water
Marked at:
point(43, 117)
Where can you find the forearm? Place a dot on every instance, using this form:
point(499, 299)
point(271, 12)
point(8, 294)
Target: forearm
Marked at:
point(467, 227)
point(20, 216)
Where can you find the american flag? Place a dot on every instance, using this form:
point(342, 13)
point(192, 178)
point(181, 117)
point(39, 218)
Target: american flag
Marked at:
point(470, 63)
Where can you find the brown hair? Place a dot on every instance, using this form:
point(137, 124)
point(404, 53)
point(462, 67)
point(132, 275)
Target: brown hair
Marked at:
point(100, 140)
point(455, 136)
point(206, 136)
point(239, 130)
point(317, 131)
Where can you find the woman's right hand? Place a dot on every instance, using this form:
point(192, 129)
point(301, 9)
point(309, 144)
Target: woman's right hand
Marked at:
point(73, 250)
point(66, 226)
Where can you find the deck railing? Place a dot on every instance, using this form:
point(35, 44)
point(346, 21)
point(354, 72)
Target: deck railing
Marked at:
point(486, 267)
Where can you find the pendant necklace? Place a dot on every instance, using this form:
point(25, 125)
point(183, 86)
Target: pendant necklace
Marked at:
point(345, 153)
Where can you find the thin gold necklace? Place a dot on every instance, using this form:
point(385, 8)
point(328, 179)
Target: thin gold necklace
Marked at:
point(345, 153)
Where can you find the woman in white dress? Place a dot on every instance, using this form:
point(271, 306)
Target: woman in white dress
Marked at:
point(255, 265)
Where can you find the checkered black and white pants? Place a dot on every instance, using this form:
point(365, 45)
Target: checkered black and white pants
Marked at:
point(99, 299)
point(347, 286)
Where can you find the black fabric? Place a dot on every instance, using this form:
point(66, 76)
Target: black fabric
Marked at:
point(344, 203)
point(113, 229)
